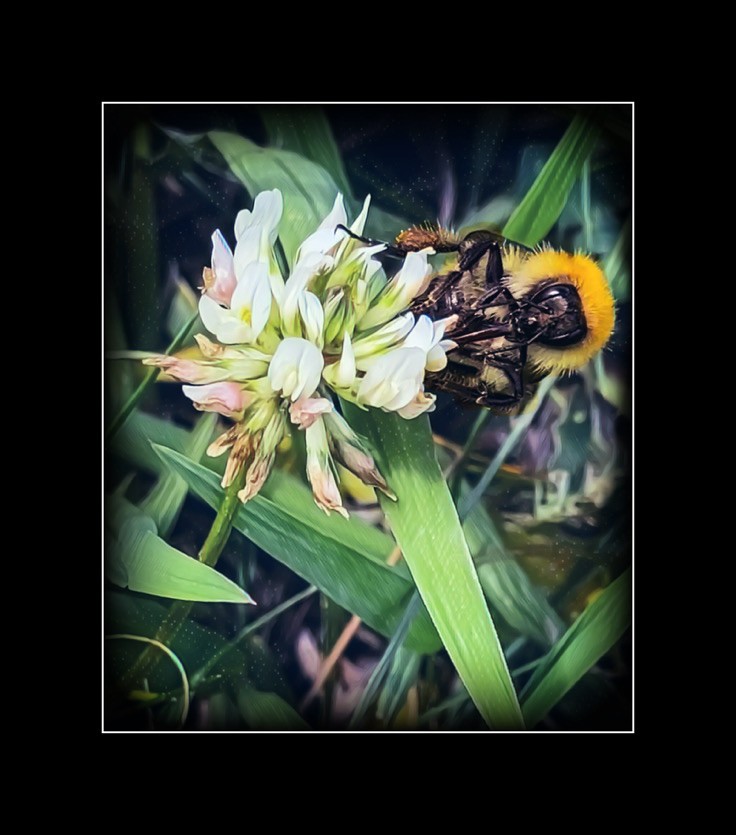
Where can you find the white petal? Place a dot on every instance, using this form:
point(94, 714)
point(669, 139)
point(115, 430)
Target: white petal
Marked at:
point(261, 300)
point(247, 250)
point(296, 368)
point(313, 317)
point(346, 366)
point(231, 331)
point(394, 379)
point(267, 210)
point(358, 225)
point(310, 372)
point(413, 276)
point(436, 359)
point(211, 313)
point(419, 405)
point(251, 300)
point(384, 337)
point(222, 322)
point(325, 237)
point(422, 334)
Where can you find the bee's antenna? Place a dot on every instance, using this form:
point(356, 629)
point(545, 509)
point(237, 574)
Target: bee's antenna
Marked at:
point(390, 249)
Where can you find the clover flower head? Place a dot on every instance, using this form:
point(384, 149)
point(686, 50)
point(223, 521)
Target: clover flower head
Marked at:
point(286, 346)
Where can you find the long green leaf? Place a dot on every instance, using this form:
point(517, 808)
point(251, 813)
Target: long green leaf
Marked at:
point(306, 131)
point(521, 424)
point(344, 558)
point(163, 504)
point(308, 190)
point(426, 526)
point(538, 211)
point(602, 623)
point(508, 589)
point(143, 562)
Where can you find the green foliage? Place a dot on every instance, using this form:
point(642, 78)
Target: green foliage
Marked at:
point(344, 559)
point(140, 560)
point(426, 526)
point(598, 628)
point(308, 190)
point(538, 211)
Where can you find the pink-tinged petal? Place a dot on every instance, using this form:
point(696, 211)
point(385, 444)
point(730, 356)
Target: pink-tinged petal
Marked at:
point(326, 495)
point(188, 371)
point(256, 477)
point(223, 270)
point(228, 399)
point(319, 470)
point(307, 410)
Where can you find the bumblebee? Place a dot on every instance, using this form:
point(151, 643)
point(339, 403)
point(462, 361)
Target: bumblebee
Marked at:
point(519, 314)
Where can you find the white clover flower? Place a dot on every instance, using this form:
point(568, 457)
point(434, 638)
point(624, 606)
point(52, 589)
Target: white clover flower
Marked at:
point(393, 380)
point(427, 335)
point(296, 368)
point(336, 324)
point(408, 283)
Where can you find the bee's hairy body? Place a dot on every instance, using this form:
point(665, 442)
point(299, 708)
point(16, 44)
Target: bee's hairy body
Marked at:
point(518, 314)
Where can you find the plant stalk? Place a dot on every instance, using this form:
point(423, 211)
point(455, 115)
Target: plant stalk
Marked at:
point(179, 612)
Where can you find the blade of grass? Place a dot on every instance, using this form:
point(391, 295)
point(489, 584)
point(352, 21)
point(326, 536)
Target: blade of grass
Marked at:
point(427, 529)
point(592, 635)
point(142, 388)
point(163, 504)
point(201, 673)
point(401, 678)
point(381, 669)
point(520, 426)
point(538, 211)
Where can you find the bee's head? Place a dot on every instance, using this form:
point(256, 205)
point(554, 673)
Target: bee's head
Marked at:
point(562, 314)
point(566, 313)
point(552, 316)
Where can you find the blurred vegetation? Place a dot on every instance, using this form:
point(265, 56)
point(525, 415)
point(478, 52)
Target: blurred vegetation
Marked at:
point(544, 498)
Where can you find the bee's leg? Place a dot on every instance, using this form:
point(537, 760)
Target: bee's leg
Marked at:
point(494, 297)
point(391, 250)
point(494, 400)
point(514, 372)
point(429, 301)
point(492, 330)
point(463, 387)
point(494, 279)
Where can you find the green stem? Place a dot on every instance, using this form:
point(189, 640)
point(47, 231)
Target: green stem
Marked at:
point(209, 554)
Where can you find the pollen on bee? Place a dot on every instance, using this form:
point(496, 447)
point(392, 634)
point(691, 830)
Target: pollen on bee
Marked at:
point(416, 238)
